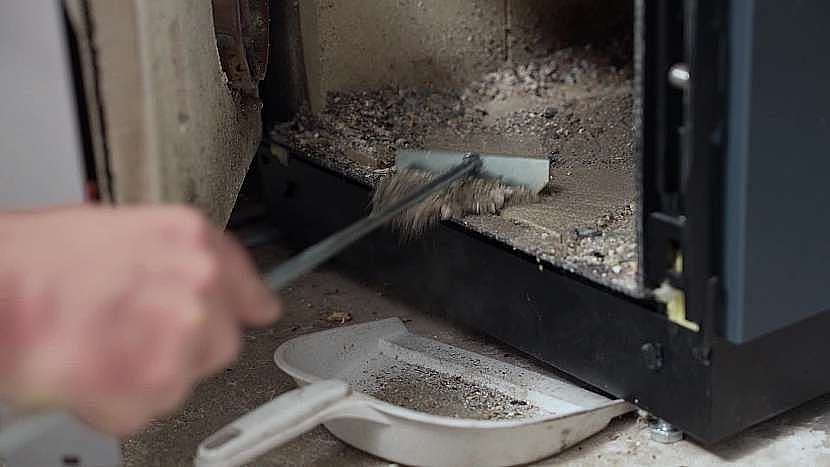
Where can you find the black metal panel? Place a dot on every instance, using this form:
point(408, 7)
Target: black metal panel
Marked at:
point(662, 121)
point(776, 220)
point(702, 153)
point(662, 110)
point(757, 380)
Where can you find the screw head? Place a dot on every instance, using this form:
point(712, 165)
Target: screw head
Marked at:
point(652, 355)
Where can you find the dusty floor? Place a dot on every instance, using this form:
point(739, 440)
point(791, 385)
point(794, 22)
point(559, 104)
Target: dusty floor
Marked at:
point(573, 107)
point(798, 437)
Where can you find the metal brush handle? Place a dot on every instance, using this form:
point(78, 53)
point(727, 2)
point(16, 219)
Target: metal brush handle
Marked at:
point(319, 253)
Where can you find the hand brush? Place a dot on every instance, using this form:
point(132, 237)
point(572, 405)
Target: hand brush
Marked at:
point(429, 186)
point(502, 181)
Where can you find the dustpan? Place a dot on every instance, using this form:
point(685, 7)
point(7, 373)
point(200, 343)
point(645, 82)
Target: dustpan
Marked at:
point(344, 377)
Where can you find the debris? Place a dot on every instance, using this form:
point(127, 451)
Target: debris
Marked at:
point(340, 317)
point(588, 233)
point(426, 390)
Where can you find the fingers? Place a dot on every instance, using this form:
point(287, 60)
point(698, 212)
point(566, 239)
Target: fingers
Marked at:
point(142, 367)
point(255, 304)
point(242, 288)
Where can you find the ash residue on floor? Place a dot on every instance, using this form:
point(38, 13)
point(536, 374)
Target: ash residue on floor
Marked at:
point(798, 437)
point(574, 107)
point(426, 390)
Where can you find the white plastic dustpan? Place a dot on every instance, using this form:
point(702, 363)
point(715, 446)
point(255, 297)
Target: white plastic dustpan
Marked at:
point(337, 370)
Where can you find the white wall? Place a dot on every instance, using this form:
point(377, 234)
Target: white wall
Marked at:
point(40, 155)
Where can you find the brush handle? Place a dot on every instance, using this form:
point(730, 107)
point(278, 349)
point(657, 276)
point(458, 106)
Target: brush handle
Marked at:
point(321, 252)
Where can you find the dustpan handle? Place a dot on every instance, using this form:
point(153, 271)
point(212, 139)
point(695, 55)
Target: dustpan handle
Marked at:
point(273, 424)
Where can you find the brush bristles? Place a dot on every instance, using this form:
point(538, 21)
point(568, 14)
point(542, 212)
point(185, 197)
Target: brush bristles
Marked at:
point(467, 196)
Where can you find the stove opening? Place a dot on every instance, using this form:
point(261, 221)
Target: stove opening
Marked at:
point(352, 81)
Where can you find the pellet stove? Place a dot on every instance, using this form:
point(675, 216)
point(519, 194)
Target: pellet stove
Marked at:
point(728, 312)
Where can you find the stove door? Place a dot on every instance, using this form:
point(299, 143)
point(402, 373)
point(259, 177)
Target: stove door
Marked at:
point(176, 110)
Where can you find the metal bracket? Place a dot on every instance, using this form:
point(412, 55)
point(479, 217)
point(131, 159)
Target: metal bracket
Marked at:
point(675, 301)
point(242, 37)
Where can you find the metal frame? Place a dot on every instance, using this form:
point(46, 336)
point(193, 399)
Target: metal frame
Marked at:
point(683, 150)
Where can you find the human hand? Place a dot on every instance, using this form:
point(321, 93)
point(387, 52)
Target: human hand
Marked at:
point(115, 313)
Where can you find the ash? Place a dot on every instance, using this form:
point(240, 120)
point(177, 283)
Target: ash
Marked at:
point(574, 107)
point(426, 390)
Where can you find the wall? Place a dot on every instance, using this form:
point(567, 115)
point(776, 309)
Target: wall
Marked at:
point(358, 44)
point(352, 45)
point(40, 157)
point(539, 26)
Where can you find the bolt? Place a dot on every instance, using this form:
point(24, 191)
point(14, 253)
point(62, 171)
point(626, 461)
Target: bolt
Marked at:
point(679, 76)
point(702, 354)
point(653, 356)
point(664, 432)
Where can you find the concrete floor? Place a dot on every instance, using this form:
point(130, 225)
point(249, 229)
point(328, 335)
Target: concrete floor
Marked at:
point(798, 437)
